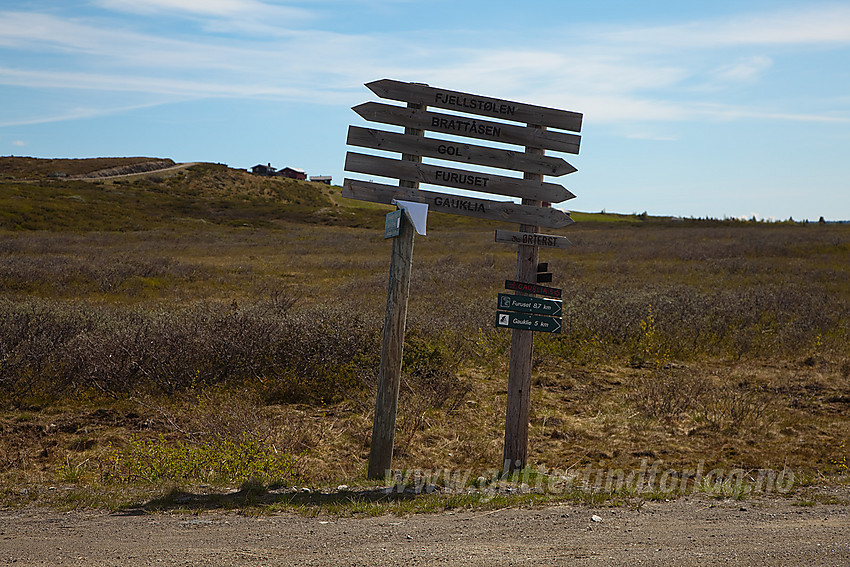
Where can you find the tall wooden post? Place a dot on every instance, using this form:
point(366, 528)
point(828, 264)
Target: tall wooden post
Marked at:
point(522, 344)
point(392, 346)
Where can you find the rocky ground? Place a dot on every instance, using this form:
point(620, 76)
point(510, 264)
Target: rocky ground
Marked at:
point(696, 530)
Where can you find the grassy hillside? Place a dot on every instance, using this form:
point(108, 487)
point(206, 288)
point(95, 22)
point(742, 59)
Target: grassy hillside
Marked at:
point(207, 193)
point(151, 322)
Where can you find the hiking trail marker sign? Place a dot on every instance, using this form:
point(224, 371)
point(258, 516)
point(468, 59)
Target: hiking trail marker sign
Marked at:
point(533, 305)
point(535, 129)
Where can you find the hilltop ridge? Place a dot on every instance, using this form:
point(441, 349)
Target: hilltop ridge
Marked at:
point(143, 193)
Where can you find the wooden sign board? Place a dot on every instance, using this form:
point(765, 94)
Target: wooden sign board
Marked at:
point(469, 127)
point(533, 288)
point(528, 322)
point(476, 104)
point(457, 151)
point(533, 239)
point(506, 211)
point(457, 178)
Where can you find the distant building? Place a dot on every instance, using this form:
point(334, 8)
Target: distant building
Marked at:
point(326, 179)
point(290, 172)
point(293, 173)
point(263, 170)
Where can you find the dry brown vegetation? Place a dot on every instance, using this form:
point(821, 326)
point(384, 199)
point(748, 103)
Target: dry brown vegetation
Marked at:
point(253, 317)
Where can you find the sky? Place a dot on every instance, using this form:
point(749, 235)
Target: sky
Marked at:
point(696, 109)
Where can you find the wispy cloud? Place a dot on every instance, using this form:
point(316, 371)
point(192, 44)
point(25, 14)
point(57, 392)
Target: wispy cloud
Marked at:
point(811, 24)
point(219, 15)
point(75, 113)
point(639, 74)
point(720, 112)
point(744, 70)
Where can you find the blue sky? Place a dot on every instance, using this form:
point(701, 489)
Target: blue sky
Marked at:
point(720, 108)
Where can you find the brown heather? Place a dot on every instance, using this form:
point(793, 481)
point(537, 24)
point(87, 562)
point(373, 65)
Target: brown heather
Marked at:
point(208, 308)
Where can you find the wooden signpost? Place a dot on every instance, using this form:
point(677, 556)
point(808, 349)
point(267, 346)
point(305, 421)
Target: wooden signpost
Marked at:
point(546, 240)
point(476, 104)
point(507, 211)
point(523, 314)
point(457, 178)
point(469, 127)
point(457, 151)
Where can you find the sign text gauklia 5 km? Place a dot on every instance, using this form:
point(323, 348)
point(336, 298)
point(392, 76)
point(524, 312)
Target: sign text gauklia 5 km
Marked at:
point(534, 128)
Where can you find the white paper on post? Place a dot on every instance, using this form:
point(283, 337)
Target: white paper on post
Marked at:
point(416, 212)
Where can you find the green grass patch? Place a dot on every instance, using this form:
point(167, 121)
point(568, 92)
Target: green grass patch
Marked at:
point(217, 461)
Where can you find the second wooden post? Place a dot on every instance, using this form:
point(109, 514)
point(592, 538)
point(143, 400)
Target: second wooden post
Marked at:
point(522, 349)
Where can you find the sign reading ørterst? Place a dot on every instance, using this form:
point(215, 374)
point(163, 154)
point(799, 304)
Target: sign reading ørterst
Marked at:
point(532, 239)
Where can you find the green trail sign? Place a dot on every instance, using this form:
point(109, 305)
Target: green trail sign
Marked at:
point(533, 305)
point(528, 322)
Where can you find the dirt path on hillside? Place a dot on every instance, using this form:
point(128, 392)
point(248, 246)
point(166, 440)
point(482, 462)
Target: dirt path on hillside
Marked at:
point(691, 531)
point(171, 168)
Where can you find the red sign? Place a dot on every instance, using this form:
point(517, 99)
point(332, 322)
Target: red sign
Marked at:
point(532, 288)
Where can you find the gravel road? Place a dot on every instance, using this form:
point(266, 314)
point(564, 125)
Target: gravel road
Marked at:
point(688, 531)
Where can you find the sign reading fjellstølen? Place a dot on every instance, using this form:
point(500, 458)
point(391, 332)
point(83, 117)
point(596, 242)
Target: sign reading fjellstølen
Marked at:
point(476, 104)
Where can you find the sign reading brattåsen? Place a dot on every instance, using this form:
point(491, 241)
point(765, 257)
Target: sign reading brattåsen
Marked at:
point(469, 127)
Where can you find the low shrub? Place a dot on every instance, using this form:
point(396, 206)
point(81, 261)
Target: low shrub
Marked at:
point(52, 349)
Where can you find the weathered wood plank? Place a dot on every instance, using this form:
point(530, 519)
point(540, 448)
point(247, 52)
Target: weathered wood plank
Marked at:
point(476, 104)
point(533, 239)
point(506, 211)
point(469, 127)
point(457, 178)
point(392, 344)
point(457, 151)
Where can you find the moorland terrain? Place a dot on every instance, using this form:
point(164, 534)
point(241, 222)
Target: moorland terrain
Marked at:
point(200, 338)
